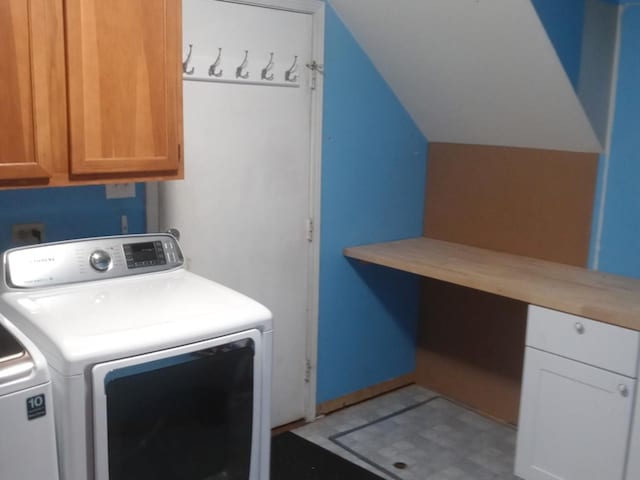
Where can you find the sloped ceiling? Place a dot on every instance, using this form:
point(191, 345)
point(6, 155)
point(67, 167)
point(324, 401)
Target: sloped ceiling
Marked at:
point(473, 71)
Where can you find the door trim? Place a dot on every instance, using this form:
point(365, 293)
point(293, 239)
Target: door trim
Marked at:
point(298, 6)
point(316, 9)
point(315, 190)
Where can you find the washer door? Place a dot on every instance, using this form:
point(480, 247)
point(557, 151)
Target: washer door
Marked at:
point(191, 412)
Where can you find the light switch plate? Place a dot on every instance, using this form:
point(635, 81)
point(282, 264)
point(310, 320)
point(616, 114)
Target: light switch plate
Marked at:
point(120, 190)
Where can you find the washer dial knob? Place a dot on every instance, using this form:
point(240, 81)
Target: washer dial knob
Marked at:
point(100, 260)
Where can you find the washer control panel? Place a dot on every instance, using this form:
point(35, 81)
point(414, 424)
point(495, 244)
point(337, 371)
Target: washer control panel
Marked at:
point(74, 261)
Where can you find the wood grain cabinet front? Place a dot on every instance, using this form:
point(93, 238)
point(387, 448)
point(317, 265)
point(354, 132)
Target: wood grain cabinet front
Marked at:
point(124, 85)
point(33, 124)
point(91, 91)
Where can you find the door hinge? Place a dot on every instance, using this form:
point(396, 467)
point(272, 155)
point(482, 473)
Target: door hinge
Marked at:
point(307, 371)
point(179, 153)
point(310, 229)
point(316, 68)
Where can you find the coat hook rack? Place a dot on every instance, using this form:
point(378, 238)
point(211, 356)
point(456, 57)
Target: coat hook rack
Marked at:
point(265, 71)
point(240, 70)
point(268, 75)
point(289, 74)
point(185, 64)
point(213, 68)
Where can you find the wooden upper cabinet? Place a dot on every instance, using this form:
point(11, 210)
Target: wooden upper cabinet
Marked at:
point(33, 128)
point(125, 86)
point(90, 91)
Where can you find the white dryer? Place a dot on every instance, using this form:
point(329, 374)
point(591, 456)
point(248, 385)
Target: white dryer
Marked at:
point(157, 373)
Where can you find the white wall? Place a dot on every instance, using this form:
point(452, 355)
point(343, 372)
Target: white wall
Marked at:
point(473, 71)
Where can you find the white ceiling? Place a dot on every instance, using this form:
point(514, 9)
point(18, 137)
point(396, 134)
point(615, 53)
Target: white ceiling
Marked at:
point(472, 71)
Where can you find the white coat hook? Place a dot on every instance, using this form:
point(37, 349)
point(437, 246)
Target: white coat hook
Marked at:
point(240, 70)
point(265, 71)
point(289, 74)
point(185, 64)
point(213, 68)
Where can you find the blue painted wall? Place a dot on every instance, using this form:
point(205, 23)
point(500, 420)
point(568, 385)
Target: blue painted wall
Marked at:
point(620, 243)
point(70, 212)
point(373, 180)
point(564, 22)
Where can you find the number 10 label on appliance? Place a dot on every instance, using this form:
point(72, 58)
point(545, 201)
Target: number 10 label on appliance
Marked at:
point(36, 407)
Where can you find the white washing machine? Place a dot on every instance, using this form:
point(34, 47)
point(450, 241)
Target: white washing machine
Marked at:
point(27, 438)
point(157, 373)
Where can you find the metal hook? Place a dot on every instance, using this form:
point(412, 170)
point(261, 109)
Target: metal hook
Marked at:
point(214, 66)
point(315, 67)
point(288, 75)
point(185, 64)
point(240, 69)
point(265, 71)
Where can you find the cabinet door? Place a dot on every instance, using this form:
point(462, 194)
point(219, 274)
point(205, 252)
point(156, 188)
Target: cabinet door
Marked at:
point(125, 86)
point(574, 420)
point(633, 467)
point(32, 90)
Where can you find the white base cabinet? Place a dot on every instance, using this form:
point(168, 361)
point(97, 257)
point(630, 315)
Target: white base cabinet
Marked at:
point(575, 416)
point(574, 420)
point(633, 465)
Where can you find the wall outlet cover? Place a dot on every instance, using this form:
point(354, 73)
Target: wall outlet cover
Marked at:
point(27, 233)
point(120, 190)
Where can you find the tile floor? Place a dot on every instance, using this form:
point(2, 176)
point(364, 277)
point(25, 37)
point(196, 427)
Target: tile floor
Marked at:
point(435, 439)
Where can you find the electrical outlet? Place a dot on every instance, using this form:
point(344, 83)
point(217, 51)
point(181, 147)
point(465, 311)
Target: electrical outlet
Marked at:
point(27, 233)
point(120, 190)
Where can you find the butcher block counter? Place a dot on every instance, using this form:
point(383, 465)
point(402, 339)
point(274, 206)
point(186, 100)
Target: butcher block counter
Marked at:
point(604, 297)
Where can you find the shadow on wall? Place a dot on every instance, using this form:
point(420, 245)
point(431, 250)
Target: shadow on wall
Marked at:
point(394, 291)
point(70, 212)
point(374, 320)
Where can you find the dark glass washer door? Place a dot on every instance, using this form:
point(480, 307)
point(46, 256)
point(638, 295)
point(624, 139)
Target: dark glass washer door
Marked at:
point(187, 417)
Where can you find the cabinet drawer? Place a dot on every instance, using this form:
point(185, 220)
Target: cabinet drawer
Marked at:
point(594, 343)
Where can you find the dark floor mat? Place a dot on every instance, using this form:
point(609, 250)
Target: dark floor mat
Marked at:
point(294, 458)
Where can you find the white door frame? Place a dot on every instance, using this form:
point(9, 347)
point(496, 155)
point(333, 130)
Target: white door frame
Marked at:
point(316, 9)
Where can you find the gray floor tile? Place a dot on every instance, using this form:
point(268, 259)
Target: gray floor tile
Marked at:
point(435, 438)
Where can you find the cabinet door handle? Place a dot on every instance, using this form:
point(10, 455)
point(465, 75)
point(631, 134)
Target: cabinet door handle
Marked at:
point(579, 328)
point(624, 391)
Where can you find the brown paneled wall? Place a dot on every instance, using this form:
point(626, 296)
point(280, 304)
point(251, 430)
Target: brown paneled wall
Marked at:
point(530, 202)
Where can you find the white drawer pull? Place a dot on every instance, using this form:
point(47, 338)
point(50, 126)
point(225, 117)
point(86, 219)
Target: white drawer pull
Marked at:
point(579, 328)
point(624, 391)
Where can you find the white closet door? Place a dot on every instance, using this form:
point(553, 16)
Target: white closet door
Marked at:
point(243, 206)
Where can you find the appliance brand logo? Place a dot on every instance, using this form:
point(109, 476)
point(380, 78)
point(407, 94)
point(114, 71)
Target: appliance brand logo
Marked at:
point(43, 260)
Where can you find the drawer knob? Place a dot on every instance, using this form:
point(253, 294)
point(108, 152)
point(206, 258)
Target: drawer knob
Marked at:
point(579, 328)
point(624, 391)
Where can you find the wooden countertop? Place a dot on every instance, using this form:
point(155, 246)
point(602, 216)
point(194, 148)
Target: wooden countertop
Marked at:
point(599, 296)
